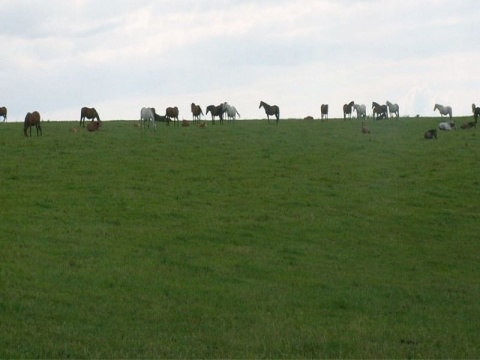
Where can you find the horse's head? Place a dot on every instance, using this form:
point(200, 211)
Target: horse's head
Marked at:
point(261, 104)
point(436, 107)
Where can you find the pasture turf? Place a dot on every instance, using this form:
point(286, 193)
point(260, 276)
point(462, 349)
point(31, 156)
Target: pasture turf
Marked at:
point(245, 240)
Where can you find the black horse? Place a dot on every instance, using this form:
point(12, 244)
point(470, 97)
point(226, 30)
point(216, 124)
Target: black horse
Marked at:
point(379, 111)
point(216, 111)
point(270, 110)
point(347, 110)
point(430, 134)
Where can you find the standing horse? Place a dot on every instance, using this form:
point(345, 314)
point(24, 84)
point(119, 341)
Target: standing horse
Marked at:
point(475, 110)
point(216, 111)
point(196, 112)
point(324, 111)
point(172, 114)
point(379, 110)
point(146, 115)
point(393, 108)
point(231, 111)
point(3, 112)
point(444, 110)
point(32, 119)
point(361, 110)
point(270, 110)
point(347, 110)
point(89, 113)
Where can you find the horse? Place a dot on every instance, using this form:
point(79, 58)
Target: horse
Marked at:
point(379, 110)
point(364, 129)
point(430, 134)
point(444, 110)
point(475, 110)
point(216, 111)
point(32, 119)
point(347, 109)
point(393, 108)
point(447, 126)
point(361, 110)
point(89, 113)
point(270, 110)
point(94, 126)
point(231, 111)
point(196, 112)
point(148, 114)
point(324, 111)
point(3, 112)
point(172, 114)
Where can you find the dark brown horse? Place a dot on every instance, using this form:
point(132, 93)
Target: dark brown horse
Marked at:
point(196, 112)
point(347, 110)
point(379, 111)
point(171, 113)
point(216, 111)
point(32, 119)
point(324, 111)
point(94, 126)
point(270, 110)
point(3, 112)
point(89, 113)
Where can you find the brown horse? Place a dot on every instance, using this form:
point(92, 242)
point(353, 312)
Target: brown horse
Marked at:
point(32, 119)
point(94, 126)
point(216, 111)
point(380, 111)
point(89, 113)
point(347, 110)
point(196, 112)
point(171, 113)
point(270, 110)
point(3, 112)
point(324, 111)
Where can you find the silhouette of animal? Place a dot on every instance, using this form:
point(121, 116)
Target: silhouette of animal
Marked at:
point(3, 112)
point(89, 113)
point(32, 119)
point(172, 114)
point(196, 112)
point(324, 111)
point(270, 110)
point(444, 110)
point(347, 110)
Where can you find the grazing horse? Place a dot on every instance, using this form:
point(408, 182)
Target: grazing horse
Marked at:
point(347, 110)
point(475, 110)
point(447, 126)
point(32, 119)
point(393, 109)
point(172, 114)
point(196, 112)
point(430, 134)
point(3, 112)
point(216, 111)
point(270, 110)
point(444, 110)
point(361, 110)
point(89, 113)
point(380, 111)
point(146, 115)
point(324, 111)
point(231, 111)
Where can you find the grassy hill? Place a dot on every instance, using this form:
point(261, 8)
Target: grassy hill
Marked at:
point(302, 240)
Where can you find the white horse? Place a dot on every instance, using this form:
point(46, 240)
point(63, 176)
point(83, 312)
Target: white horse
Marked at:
point(393, 109)
point(447, 126)
point(361, 110)
point(444, 110)
point(231, 111)
point(147, 114)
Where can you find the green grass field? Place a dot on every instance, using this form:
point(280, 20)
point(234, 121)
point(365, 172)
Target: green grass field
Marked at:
point(245, 240)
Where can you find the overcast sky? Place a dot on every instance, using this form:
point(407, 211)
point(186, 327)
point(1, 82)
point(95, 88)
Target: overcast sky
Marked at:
point(118, 56)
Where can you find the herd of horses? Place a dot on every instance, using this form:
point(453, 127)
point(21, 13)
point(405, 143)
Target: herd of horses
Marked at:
point(224, 110)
